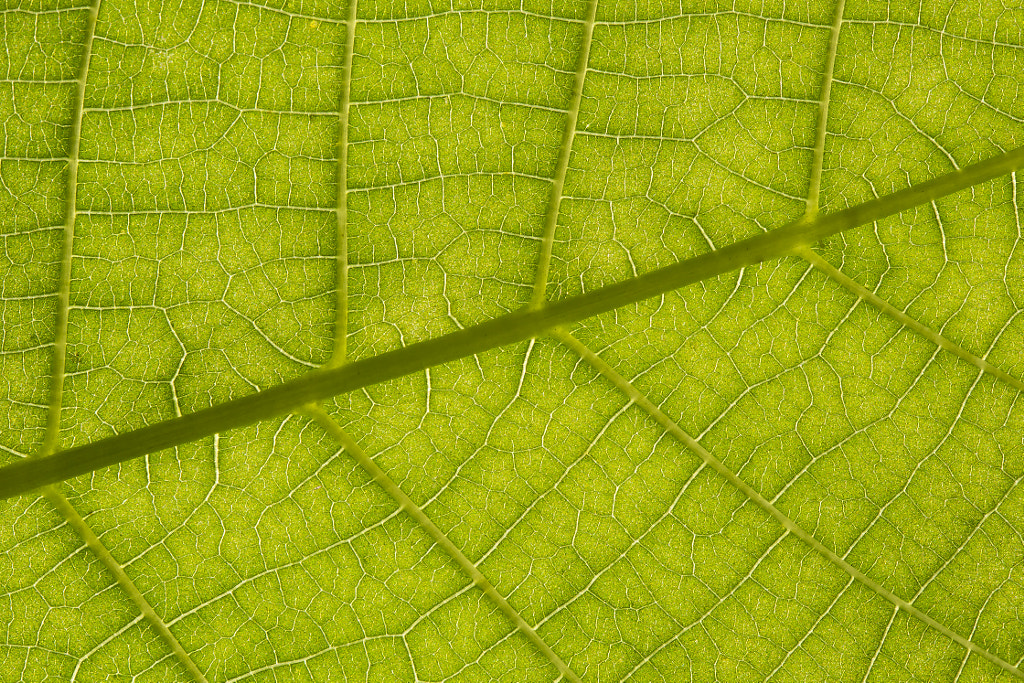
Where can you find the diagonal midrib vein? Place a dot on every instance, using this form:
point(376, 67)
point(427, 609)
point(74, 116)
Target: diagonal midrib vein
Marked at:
point(564, 152)
point(52, 432)
point(640, 399)
point(58, 368)
point(23, 476)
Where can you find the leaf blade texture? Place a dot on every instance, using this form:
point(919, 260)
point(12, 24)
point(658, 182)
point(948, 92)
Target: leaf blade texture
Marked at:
point(802, 469)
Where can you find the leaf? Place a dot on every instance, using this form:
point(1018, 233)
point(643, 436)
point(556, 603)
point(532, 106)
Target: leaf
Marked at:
point(806, 468)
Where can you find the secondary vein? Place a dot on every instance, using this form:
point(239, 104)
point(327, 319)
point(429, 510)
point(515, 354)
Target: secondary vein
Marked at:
point(565, 149)
point(341, 206)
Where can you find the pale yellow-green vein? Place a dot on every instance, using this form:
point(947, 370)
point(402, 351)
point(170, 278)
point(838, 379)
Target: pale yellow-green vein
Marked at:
point(846, 281)
point(907, 321)
point(821, 131)
point(58, 367)
point(341, 197)
point(564, 152)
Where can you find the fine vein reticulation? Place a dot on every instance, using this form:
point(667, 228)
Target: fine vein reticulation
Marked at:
point(788, 525)
point(540, 317)
point(58, 369)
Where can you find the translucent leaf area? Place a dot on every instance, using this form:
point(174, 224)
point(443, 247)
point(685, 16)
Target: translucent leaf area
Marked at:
point(808, 469)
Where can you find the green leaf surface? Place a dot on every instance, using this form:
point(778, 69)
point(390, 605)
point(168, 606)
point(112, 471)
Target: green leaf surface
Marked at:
point(806, 464)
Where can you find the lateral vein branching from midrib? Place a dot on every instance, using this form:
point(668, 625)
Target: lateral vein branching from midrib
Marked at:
point(862, 292)
point(420, 517)
point(58, 368)
point(871, 297)
point(339, 354)
point(667, 423)
point(907, 321)
point(562, 165)
point(60, 343)
point(341, 326)
point(813, 200)
point(340, 349)
point(817, 261)
point(123, 580)
point(814, 191)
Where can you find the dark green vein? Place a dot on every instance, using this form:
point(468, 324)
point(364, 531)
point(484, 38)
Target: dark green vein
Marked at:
point(524, 324)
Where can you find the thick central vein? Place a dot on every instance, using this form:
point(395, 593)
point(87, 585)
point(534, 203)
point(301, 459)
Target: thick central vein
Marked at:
point(26, 475)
